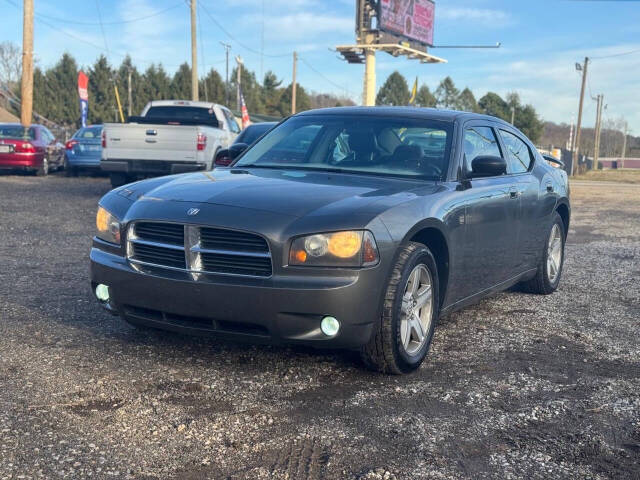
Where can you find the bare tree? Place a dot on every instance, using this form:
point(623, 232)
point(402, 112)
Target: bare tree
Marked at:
point(10, 64)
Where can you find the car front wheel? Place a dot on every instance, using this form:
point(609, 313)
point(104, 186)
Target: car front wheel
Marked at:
point(410, 311)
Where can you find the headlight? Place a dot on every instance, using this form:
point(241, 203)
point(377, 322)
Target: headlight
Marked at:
point(352, 248)
point(108, 226)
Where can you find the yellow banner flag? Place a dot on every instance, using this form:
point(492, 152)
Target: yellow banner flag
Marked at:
point(414, 92)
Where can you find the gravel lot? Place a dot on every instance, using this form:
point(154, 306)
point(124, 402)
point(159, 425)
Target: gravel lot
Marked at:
point(519, 386)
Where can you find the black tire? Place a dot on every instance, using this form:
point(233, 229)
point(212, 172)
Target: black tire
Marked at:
point(119, 179)
point(541, 284)
point(384, 352)
point(43, 171)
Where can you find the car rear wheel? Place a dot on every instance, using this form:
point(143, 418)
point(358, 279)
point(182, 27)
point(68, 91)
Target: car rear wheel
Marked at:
point(410, 311)
point(550, 265)
point(43, 171)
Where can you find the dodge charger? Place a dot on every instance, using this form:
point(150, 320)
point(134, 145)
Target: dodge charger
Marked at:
point(352, 228)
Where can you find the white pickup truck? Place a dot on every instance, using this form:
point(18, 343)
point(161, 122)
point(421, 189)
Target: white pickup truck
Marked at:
point(170, 136)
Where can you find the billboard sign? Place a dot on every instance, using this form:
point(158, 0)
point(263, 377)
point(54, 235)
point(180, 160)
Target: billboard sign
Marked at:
point(411, 19)
point(83, 93)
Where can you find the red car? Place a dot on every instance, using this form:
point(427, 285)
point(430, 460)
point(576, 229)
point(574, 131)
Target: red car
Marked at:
point(34, 149)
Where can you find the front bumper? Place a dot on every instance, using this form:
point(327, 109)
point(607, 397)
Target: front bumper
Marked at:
point(280, 309)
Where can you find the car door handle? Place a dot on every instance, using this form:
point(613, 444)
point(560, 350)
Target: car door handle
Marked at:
point(549, 187)
point(513, 192)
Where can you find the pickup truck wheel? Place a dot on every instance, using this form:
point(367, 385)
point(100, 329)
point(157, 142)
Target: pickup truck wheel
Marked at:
point(43, 171)
point(118, 179)
point(550, 265)
point(409, 314)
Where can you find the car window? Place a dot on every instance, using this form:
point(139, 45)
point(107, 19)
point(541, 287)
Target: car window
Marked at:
point(203, 115)
point(16, 132)
point(519, 155)
point(89, 133)
point(233, 125)
point(368, 144)
point(479, 141)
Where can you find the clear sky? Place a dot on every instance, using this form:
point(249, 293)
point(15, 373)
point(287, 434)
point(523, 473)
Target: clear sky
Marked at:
point(541, 42)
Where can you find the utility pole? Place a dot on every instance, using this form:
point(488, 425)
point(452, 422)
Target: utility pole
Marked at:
point(624, 144)
point(130, 96)
point(513, 114)
point(238, 82)
point(227, 47)
point(194, 54)
point(596, 142)
point(576, 151)
point(26, 109)
point(293, 85)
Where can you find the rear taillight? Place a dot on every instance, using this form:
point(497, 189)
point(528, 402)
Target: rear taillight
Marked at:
point(104, 139)
point(25, 147)
point(202, 142)
point(69, 145)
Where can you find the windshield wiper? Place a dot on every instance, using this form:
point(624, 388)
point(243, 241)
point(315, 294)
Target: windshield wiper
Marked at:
point(299, 167)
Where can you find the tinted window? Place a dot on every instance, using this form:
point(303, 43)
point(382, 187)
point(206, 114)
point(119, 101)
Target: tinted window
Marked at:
point(89, 132)
point(479, 141)
point(178, 113)
point(365, 144)
point(17, 132)
point(518, 153)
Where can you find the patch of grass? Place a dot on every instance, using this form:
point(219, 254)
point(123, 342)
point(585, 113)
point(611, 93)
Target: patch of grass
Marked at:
point(622, 176)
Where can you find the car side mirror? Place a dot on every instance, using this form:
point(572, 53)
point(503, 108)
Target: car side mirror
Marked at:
point(488, 166)
point(225, 157)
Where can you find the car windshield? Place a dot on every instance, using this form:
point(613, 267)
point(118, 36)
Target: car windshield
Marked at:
point(393, 146)
point(89, 133)
point(17, 132)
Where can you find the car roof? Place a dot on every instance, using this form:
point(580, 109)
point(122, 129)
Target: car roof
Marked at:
point(420, 112)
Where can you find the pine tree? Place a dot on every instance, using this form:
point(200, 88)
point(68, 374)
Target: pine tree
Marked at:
point(139, 100)
point(493, 104)
point(180, 88)
point(303, 101)
point(447, 95)
point(212, 86)
point(271, 93)
point(251, 90)
point(424, 97)
point(467, 102)
point(102, 101)
point(394, 91)
point(156, 83)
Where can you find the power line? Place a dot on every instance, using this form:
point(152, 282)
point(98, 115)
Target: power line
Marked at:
point(114, 22)
point(616, 54)
point(226, 32)
point(341, 87)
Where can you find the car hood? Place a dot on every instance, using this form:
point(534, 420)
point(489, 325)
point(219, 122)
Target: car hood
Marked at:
point(290, 192)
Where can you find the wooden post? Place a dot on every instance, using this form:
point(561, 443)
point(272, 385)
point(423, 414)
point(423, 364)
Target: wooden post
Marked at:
point(26, 110)
point(294, 87)
point(194, 54)
point(574, 166)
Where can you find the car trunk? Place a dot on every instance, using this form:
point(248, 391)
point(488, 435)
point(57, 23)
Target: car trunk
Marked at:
point(151, 142)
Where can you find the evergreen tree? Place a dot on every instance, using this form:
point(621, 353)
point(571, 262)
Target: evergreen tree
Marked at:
point(102, 101)
point(493, 104)
point(180, 88)
point(394, 91)
point(303, 101)
point(139, 100)
point(271, 93)
point(467, 102)
point(424, 97)
point(62, 85)
point(212, 86)
point(447, 95)
point(251, 90)
point(156, 83)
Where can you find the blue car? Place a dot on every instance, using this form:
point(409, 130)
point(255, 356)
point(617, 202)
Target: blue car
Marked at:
point(83, 150)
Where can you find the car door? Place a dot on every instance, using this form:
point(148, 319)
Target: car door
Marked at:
point(520, 158)
point(491, 213)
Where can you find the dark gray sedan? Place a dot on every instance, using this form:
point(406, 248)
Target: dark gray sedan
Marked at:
point(349, 227)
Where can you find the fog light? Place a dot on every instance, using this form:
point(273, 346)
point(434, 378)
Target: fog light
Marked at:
point(102, 292)
point(330, 326)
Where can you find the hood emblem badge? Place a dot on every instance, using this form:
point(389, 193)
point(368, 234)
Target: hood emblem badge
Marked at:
point(193, 211)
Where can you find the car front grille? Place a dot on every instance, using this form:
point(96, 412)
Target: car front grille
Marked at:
point(199, 250)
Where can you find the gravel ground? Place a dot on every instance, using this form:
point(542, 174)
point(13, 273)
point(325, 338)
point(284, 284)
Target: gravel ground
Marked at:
point(518, 386)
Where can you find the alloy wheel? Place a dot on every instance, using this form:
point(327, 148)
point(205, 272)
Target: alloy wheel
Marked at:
point(416, 310)
point(554, 254)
